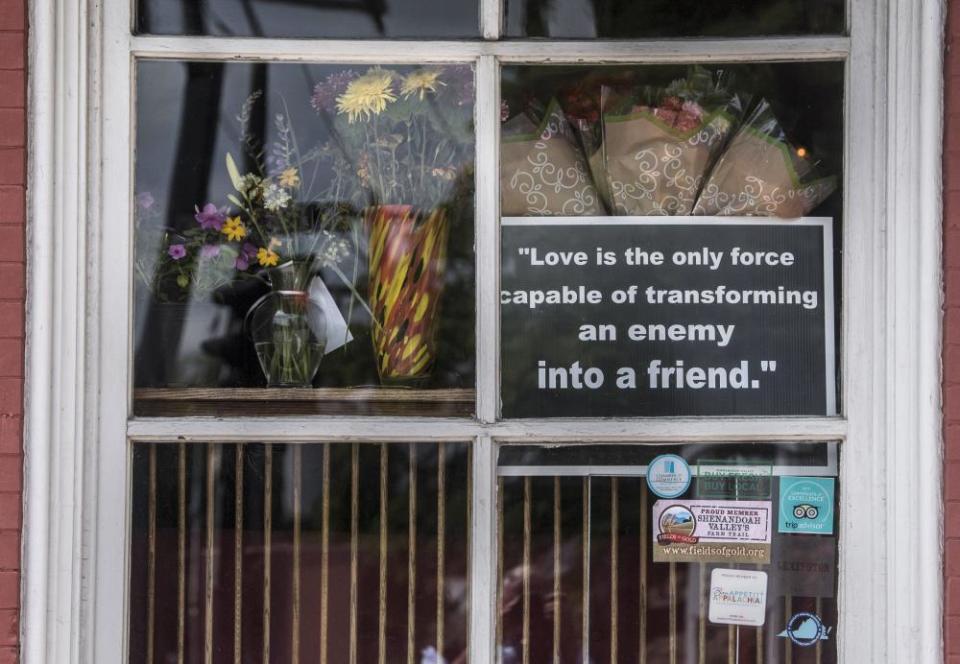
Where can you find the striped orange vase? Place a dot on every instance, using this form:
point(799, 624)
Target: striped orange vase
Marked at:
point(408, 254)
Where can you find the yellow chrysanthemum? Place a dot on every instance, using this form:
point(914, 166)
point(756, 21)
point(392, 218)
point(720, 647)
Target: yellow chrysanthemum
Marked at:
point(290, 178)
point(367, 95)
point(234, 229)
point(420, 83)
point(267, 257)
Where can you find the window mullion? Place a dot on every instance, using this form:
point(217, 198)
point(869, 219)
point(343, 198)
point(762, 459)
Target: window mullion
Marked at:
point(488, 238)
point(491, 18)
point(483, 553)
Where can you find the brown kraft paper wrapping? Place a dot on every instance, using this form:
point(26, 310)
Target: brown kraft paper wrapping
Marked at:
point(546, 173)
point(653, 170)
point(756, 177)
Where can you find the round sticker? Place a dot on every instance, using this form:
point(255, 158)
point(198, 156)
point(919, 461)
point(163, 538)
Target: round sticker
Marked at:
point(668, 476)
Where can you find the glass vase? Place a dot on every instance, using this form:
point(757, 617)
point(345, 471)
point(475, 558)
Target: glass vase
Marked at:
point(288, 329)
point(407, 259)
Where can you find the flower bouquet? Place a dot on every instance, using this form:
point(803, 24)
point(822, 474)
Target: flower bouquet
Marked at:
point(761, 173)
point(543, 170)
point(403, 151)
point(660, 143)
point(272, 226)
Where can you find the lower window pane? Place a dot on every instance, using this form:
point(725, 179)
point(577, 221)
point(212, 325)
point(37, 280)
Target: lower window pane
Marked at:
point(313, 553)
point(596, 567)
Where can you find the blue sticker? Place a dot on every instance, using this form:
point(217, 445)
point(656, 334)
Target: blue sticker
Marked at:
point(806, 505)
point(805, 629)
point(668, 476)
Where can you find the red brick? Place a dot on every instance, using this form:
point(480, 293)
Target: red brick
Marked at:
point(951, 442)
point(11, 320)
point(13, 15)
point(11, 511)
point(10, 550)
point(12, 248)
point(951, 635)
point(10, 656)
point(13, 202)
point(11, 398)
point(953, 558)
point(11, 358)
point(12, 52)
point(12, 127)
point(12, 281)
point(952, 597)
point(13, 166)
point(13, 91)
point(9, 590)
point(11, 434)
point(951, 481)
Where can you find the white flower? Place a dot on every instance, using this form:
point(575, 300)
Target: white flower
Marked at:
point(275, 198)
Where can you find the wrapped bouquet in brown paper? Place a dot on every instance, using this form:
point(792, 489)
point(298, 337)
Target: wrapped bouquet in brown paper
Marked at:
point(762, 174)
point(660, 143)
point(542, 169)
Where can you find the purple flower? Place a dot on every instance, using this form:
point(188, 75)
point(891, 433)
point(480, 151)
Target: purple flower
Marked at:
point(177, 251)
point(210, 251)
point(211, 217)
point(325, 94)
point(145, 200)
point(247, 253)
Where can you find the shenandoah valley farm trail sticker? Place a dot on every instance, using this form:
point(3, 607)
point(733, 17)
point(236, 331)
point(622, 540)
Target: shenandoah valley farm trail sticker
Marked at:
point(711, 531)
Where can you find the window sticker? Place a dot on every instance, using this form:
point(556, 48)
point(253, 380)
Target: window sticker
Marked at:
point(805, 629)
point(716, 479)
point(668, 476)
point(708, 531)
point(806, 505)
point(738, 597)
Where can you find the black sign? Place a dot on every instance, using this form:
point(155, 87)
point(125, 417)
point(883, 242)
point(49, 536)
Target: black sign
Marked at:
point(626, 316)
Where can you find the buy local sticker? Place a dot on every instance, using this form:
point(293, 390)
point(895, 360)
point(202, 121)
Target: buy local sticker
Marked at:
point(711, 531)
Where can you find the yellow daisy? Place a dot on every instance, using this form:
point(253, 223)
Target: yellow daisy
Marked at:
point(420, 83)
point(290, 178)
point(234, 229)
point(367, 95)
point(267, 257)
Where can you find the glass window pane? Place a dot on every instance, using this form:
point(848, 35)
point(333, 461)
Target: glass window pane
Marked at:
point(594, 566)
point(625, 19)
point(367, 19)
point(671, 240)
point(304, 226)
point(257, 552)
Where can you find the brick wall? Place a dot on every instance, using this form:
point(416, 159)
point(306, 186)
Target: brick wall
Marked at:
point(12, 272)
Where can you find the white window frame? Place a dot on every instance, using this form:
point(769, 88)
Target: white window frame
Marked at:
point(78, 388)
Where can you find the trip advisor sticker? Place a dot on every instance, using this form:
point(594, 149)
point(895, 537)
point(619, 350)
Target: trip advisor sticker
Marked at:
point(806, 505)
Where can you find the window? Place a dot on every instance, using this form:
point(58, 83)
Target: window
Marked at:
point(247, 507)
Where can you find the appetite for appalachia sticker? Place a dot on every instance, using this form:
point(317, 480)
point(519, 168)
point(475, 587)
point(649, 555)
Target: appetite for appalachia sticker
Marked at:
point(711, 531)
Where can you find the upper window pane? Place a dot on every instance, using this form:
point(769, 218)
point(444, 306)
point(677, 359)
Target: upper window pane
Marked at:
point(624, 19)
point(303, 226)
point(670, 239)
point(361, 19)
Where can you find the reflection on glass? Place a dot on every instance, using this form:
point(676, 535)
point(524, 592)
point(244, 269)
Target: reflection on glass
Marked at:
point(304, 225)
point(624, 19)
point(578, 580)
point(309, 18)
point(312, 553)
